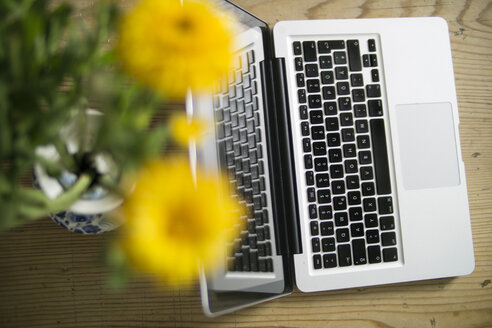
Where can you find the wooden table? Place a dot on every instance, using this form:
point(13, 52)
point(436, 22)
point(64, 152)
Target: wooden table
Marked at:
point(53, 278)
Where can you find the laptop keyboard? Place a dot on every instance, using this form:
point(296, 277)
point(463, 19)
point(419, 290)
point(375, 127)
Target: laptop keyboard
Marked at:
point(351, 219)
point(241, 155)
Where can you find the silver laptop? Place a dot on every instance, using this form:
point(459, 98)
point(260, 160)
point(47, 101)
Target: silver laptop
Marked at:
point(341, 138)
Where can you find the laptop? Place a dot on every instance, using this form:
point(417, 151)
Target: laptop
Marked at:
point(341, 138)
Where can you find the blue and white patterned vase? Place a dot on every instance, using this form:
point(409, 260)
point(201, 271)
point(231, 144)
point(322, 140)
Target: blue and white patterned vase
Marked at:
point(89, 214)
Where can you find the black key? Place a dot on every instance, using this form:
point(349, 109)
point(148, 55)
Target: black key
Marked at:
point(314, 228)
point(340, 57)
point(359, 251)
point(337, 44)
point(355, 213)
point(342, 235)
point(361, 126)
point(346, 119)
point(314, 101)
point(325, 62)
point(322, 180)
point(357, 230)
point(373, 90)
point(354, 55)
point(339, 203)
point(375, 107)
point(331, 124)
point(306, 145)
point(348, 135)
point(374, 254)
point(343, 88)
point(358, 95)
point(333, 139)
point(327, 77)
point(319, 148)
point(329, 260)
point(349, 150)
point(317, 132)
point(327, 228)
point(375, 75)
point(315, 244)
point(360, 110)
point(311, 70)
point(352, 182)
point(380, 154)
point(298, 63)
point(309, 178)
point(309, 48)
point(313, 85)
point(253, 260)
point(313, 211)
point(341, 219)
point(336, 171)
point(368, 189)
point(366, 173)
point(297, 48)
point(356, 80)
point(390, 254)
point(351, 166)
point(387, 223)
point(320, 164)
point(324, 196)
point(329, 93)
point(305, 128)
point(338, 187)
point(344, 103)
point(373, 59)
point(324, 47)
point(371, 220)
point(222, 154)
point(365, 61)
point(301, 95)
point(341, 73)
point(330, 108)
point(300, 80)
point(269, 265)
point(371, 43)
point(365, 157)
point(317, 261)
point(245, 257)
point(388, 238)
point(369, 204)
point(335, 155)
point(308, 162)
point(354, 198)
point(344, 255)
point(385, 205)
point(303, 112)
point(325, 212)
point(372, 236)
point(311, 193)
point(316, 117)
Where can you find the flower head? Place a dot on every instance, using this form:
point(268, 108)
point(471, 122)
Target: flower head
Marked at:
point(173, 47)
point(174, 224)
point(184, 130)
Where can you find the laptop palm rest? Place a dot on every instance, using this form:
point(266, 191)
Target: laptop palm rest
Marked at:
point(427, 145)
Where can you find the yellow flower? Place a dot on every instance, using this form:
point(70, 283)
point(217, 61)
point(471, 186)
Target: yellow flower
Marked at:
point(173, 225)
point(184, 130)
point(173, 47)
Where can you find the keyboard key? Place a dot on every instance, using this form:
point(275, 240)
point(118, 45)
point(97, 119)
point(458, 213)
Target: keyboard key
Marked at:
point(316, 117)
point(343, 88)
point(336, 171)
point(373, 59)
point(322, 180)
point(329, 93)
point(314, 228)
point(341, 73)
point(327, 77)
point(363, 142)
point(313, 211)
point(344, 255)
point(348, 135)
point(320, 164)
point(298, 64)
point(352, 181)
point(339, 203)
point(357, 230)
point(371, 220)
point(374, 254)
point(333, 139)
point(340, 57)
point(361, 126)
point(309, 48)
point(329, 261)
point(324, 47)
point(314, 101)
point(371, 44)
point(325, 62)
point(356, 80)
point(317, 261)
point(365, 61)
point(355, 213)
point(336, 44)
point(351, 166)
point(301, 95)
point(311, 194)
point(368, 188)
point(375, 75)
point(387, 223)
point(327, 228)
point(369, 204)
point(375, 108)
point(390, 254)
point(373, 90)
point(315, 245)
point(300, 80)
point(308, 162)
point(354, 55)
point(346, 119)
point(311, 70)
point(330, 108)
point(359, 251)
point(309, 178)
point(388, 238)
point(341, 219)
point(354, 198)
point(324, 196)
point(358, 95)
point(297, 48)
point(313, 85)
point(325, 212)
point(317, 132)
point(338, 187)
point(365, 157)
point(306, 145)
point(331, 124)
point(319, 148)
point(360, 110)
point(349, 150)
point(335, 155)
point(344, 103)
point(380, 154)
point(372, 236)
point(366, 173)
point(305, 129)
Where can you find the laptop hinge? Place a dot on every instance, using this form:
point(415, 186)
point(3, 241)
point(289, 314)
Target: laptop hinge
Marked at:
point(289, 205)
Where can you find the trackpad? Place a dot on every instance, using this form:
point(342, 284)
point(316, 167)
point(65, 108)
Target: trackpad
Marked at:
point(427, 145)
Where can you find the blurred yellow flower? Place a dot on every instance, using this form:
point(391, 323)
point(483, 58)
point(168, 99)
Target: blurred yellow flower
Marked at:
point(183, 130)
point(173, 224)
point(173, 47)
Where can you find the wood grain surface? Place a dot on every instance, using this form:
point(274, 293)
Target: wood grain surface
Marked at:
point(53, 278)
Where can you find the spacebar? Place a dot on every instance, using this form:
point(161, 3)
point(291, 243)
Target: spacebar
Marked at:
point(380, 153)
